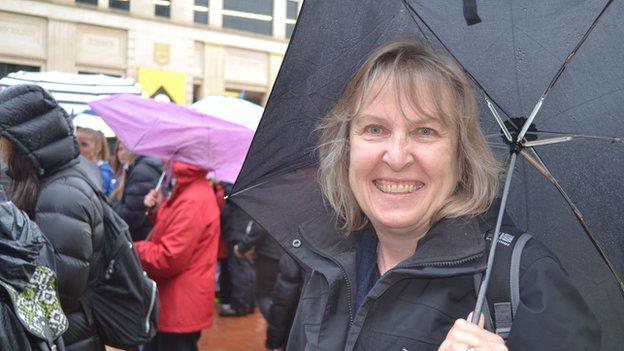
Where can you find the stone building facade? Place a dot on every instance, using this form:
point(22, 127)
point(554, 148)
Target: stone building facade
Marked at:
point(231, 47)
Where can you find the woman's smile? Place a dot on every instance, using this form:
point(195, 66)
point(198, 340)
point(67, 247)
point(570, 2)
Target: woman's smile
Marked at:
point(397, 187)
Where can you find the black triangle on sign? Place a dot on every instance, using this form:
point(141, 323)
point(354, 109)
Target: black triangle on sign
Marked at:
point(162, 91)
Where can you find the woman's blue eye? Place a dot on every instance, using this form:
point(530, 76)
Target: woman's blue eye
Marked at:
point(376, 130)
point(426, 131)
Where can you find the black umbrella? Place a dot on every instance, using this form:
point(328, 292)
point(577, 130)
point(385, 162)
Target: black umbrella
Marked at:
point(556, 64)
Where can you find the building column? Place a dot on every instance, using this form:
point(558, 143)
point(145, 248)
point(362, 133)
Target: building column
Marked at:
point(275, 62)
point(279, 18)
point(142, 8)
point(61, 46)
point(214, 70)
point(182, 11)
point(215, 18)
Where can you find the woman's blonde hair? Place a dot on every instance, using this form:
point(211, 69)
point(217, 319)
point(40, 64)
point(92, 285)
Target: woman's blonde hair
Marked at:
point(434, 86)
point(99, 139)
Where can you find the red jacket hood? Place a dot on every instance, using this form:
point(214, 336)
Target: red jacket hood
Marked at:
point(185, 173)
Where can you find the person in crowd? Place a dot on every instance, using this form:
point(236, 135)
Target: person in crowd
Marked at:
point(181, 256)
point(240, 272)
point(285, 298)
point(266, 256)
point(38, 144)
point(407, 171)
point(93, 147)
point(137, 176)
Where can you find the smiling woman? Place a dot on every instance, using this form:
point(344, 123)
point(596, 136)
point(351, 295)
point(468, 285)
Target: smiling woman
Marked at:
point(410, 97)
point(407, 171)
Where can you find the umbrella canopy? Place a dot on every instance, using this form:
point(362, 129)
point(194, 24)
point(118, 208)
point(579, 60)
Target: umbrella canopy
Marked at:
point(169, 131)
point(231, 109)
point(88, 119)
point(557, 63)
point(74, 91)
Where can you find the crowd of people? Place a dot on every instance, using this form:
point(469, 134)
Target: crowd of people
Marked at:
point(174, 222)
point(408, 176)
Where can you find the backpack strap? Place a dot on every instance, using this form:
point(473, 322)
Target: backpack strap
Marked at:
point(514, 271)
point(503, 295)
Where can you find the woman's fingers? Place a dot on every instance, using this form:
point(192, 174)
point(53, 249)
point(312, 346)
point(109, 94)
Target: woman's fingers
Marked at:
point(481, 319)
point(464, 333)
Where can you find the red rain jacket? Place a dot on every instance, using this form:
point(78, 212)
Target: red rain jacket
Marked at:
point(181, 255)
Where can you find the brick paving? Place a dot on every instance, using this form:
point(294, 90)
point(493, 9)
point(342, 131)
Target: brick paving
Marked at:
point(235, 334)
point(232, 334)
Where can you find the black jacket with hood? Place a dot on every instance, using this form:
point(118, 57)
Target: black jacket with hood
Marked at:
point(285, 299)
point(414, 305)
point(68, 211)
point(142, 176)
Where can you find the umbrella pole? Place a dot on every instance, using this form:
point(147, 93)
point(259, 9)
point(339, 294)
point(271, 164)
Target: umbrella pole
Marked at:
point(160, 180)
point(490, 262)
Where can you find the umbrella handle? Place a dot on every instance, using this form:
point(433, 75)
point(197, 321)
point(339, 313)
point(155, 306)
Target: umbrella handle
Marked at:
point(160, 180)
point(157, 188)
point(490, 262)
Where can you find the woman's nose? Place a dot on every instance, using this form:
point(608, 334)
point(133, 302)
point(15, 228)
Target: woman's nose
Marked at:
point(397, 154)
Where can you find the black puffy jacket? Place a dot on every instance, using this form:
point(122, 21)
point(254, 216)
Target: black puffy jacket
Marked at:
point(142, 176)
point(68, 211)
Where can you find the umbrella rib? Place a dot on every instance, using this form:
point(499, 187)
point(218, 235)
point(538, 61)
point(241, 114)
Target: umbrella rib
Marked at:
point(539, 165)
point(498, 119)
point(412, 11)
point(567, 138)
point(567, 60)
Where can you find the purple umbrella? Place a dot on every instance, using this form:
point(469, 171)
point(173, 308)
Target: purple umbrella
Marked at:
point(169, 131)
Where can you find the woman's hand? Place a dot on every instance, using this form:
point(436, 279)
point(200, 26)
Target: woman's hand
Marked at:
point(153, 199)
point(465, 336)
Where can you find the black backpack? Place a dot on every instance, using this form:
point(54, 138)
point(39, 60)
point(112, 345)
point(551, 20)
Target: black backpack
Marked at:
point(121, 302)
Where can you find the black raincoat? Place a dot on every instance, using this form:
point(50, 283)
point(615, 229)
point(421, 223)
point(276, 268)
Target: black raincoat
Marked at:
point(414, 305)
point(31, 317)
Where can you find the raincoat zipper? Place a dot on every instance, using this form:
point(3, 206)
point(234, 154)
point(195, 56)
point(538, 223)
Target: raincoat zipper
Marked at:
point(344, 273)
point(443, 263)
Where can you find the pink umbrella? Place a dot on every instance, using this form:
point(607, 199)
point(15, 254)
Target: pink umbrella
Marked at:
point(170, 131)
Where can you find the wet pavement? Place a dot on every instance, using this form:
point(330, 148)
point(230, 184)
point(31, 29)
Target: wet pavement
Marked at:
point(235, 334)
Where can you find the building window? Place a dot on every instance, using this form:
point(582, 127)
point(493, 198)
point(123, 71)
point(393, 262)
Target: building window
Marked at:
point(90, 2)
point(252, 96)
point(254, 16)
point(6, 68)
point(291, 16)
point(200, 11)
point(162, 8)
point(119, 4)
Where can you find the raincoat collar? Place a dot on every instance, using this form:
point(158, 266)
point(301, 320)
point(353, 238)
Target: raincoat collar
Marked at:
point(449, 240)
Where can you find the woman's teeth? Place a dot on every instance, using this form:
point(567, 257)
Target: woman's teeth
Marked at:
point(398, 188)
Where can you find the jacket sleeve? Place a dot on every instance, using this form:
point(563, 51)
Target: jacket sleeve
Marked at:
point(552, 314)
point(253, 234)
point(285, 300)
point(131, 208)
point(68, 216)
point(173, 252)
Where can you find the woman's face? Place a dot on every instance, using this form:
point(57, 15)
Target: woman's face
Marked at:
point(402, 166)
point(88, 146)
point(124, 155)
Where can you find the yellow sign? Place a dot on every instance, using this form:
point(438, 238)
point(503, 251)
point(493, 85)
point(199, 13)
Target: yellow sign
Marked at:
point(161, 53)
point(163, 85)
